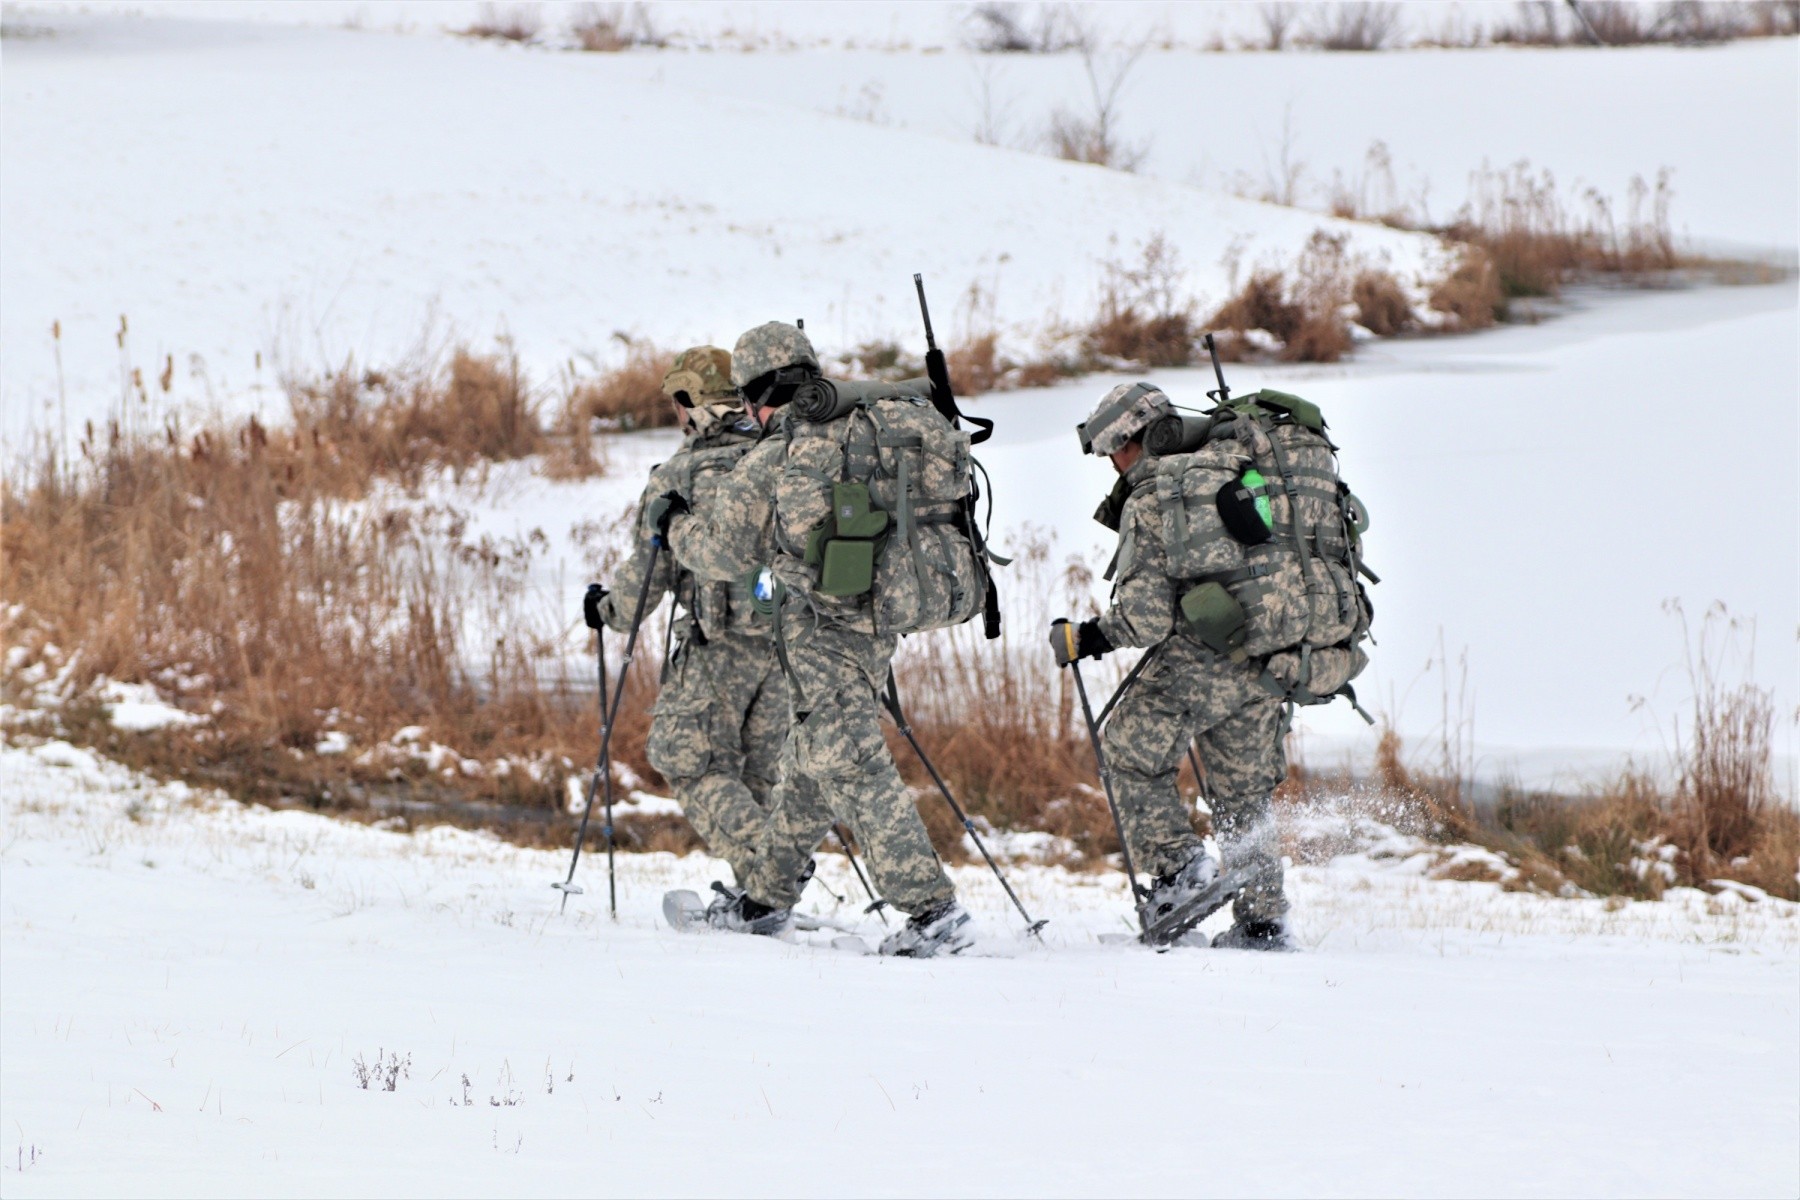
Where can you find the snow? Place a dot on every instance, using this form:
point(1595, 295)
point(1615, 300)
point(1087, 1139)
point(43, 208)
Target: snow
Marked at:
point(189, 984)
point(137, 708)
point(1507, 105)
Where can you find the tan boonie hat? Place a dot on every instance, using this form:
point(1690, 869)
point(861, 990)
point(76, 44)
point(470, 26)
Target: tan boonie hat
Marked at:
point(1122, 413)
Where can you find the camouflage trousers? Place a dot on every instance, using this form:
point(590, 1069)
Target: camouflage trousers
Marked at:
point(835, 766)
point(716, 737)
point(1187, 693)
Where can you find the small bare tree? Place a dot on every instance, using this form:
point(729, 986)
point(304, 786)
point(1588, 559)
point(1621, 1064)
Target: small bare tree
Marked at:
point(1094, 136)
point(1278, 23)
point(993, 111)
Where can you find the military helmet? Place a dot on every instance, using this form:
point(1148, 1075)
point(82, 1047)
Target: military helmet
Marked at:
point(699, 375)
point(1122, 414)
point(770, 347)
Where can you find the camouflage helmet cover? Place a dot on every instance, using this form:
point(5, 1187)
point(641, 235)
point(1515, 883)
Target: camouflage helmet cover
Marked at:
point(1122, 413)
point(770, 347)
point(703, 372)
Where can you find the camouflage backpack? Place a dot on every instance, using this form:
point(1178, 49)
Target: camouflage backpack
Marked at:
point(1268, 543)
point(696, 473)
point(902, 531)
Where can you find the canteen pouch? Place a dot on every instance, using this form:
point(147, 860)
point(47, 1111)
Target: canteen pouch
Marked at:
point(1214, 616)
point(848, 568)
point(845, 546)
point(1244, 508)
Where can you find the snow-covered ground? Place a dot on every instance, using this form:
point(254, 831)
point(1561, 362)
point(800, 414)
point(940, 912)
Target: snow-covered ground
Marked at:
point(190, 986)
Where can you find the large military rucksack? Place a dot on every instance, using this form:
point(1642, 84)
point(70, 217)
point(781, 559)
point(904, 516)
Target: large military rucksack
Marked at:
point(1267, 541)
point(716, 606)
point(903, 530)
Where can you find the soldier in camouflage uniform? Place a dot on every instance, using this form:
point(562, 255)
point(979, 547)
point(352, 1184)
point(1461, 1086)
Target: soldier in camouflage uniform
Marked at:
point(835, 763)
point(1186, 691)
point(722, 712)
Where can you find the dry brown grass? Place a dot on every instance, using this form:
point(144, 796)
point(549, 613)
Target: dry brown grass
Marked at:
point(1002, 722)
point(1381, 304)
point(506, 22)
point(1302, 309)
point(610, 28)
point(260, 576)
point(1146, 317)
point(627, 397)
point(1470, 295)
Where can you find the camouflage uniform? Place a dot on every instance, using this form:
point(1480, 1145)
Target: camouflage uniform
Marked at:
point(722, 712)
point(835, 764)
point(1186, 691)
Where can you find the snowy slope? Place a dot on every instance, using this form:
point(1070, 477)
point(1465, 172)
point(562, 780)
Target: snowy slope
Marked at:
point(1593, 118)
point(189, 985)
point(304, 194)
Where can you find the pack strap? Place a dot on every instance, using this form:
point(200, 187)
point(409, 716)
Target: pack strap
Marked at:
point(1239, 575)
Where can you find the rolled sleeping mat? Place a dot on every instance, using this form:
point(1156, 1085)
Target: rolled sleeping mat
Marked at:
point(823, 400)
point(1177, 433)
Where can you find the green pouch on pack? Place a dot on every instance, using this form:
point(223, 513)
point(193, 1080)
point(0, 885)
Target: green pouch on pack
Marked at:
point(854, 515)
point(849, 567)
point(1214, 616)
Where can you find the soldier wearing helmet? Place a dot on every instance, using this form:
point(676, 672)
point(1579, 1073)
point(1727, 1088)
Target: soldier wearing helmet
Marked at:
point(835, 764)
point(1185, 691)
point(721, 714)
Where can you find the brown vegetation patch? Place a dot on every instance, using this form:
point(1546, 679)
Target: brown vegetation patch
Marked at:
point(506, 22)
point(1381, 304)
point(628, 397)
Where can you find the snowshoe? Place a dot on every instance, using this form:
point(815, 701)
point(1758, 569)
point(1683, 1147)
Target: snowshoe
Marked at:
point(733, 911)
point(941, 929)
point(1181, 901)
point(1256, 935)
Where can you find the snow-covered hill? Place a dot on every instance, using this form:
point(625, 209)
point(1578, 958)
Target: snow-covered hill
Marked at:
point(191, 986)
point(246, 195)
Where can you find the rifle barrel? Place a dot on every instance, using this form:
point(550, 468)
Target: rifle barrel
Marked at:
point(924, 310)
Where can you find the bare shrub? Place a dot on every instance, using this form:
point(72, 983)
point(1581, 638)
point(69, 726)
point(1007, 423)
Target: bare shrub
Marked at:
point(1093, 136)
point(1145, 317)
point(1278, 23)
point(1470, 295)
point(1355, 25)
point(1302, 310)
point(609, 28)
point(1538, 23)
point(998, 27)
point(628, 397)
point(1381, 304)
point(506, 22)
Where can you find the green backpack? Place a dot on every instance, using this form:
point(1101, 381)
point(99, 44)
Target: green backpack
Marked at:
point(1267, 540)
point(903, 531)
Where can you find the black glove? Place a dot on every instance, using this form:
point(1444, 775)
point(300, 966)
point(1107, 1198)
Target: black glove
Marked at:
point(590, 605)
point(1070, 642)
point(663, 510)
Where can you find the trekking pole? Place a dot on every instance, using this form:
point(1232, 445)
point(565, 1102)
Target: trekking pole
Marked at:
point(1034, 928)
point(609, 719)
point(876, 904)
point(1087, 710)
point(1125, 684)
